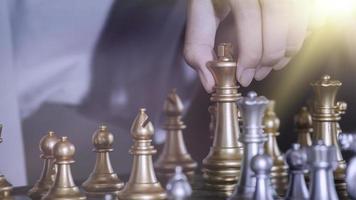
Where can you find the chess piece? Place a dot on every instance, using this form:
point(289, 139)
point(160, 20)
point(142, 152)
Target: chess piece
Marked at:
point(174, 151)
point(297, 161)
point(48, 174)
point(178, 187)
point(325, 118)
point(341, 107)
point(64, 187)
point(103, 180)
point(252, 109)
point(304, 126)
point(279, 172)
point(261, 165)
point(322, 160)
point(212, 112)
point(5, 186)
point(222, 165)
point(143, 184)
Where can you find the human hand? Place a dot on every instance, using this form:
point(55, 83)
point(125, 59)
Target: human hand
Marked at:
point(268, 33)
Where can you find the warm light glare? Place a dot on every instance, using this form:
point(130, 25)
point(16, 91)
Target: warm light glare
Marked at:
point(339, 10)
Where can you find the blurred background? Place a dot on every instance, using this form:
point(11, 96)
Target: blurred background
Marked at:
point(69, 66)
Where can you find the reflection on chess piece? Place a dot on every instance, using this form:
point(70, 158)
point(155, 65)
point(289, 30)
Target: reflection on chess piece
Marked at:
point(341, 108)
point(252, 109)
point(322, 161)
point(212, 112)
point(325, 118)
point(5, 186)
point(222, 165)
point(174, 152)
point(304, 126)
point(143, 184)
point(297, 161)
point(103, 180)
point(64, 187)
point(261, 165)
point(48, 174)
point(178, 187)
point(279, 172)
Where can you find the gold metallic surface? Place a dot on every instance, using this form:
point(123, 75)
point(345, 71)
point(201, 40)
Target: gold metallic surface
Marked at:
point(143, 184)
point(341, 108)
point(325, 119)
point(48, 174)
point(304, 127)
point(174, 151)
point(5, 186)
point(64, 187)
point(279, 171)
point(212, 112)
point(222, 165)
point(103, 180)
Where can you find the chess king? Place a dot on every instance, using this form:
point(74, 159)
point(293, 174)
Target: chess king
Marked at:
point(221, 167)
point(325, 117)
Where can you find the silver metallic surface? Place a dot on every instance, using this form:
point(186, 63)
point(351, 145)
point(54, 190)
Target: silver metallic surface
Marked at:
point(296, 158)
point(322, 161)
point(261, 165)
point(252, 108)
point(178, 187)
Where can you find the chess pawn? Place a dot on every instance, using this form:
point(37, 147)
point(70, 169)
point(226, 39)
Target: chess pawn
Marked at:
point(261, 165)
point(341, 108)
point(304, 126)
point(297, 161)
point(222, 165)
point(143, 184)
point(325, 117)
point(103, 180)
point(322, 161)
point(279, 172)
point(5, 186)
point(64, 187)
point(178, 187)
point(252, 109)
point(174, 151)
point(48, 174)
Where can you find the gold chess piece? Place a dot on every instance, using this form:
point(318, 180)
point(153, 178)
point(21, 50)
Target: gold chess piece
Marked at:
point(279, 171)
point(5, 186)
point(103, 180)
point(64, 187)
point(48, 174)
point(222, 165)
point(143, 184)
point(325, 117)
point(341, 108)
point(304, 126)
point(174, 151)
point(212, 112)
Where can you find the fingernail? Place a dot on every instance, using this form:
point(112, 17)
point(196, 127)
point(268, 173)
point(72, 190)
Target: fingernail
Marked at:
point(282, 63)
point(246, 77)
point(262, 72)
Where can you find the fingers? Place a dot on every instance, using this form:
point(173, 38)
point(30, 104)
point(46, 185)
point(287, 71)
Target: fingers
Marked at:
point(203, 18)
point(249, 37)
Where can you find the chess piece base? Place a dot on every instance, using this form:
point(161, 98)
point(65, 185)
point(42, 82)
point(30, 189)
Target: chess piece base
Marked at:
point(143, 192)
point(70, 193)
point(102, 184)
point(5, 189)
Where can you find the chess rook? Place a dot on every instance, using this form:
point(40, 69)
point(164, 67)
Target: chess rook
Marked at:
point(297, 161)
point(279, 172)
point(5, 186)
point(64, 187)
point(143, 184)
point(48, 174)
point(222, 165)
point(325, 117)
point(178, 187)
point(252, 109)
point(261, 165)
point(174, 151)
point(322, 161)
point(304, 127)
point(103, 180)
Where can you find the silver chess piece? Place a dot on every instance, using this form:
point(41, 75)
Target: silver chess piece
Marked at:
point(252, 108)
point(178, 187)
point(296, 158)
point(322, 161)
point(262, 164)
